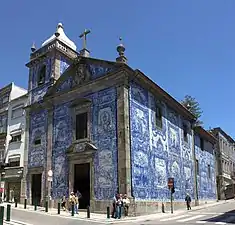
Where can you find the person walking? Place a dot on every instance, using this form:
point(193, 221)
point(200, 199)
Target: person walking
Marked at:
point(188, 201)
point(114, 205)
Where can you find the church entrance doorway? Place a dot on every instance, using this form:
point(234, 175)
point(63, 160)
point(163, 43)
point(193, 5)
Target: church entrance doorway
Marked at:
point(82, 183)
point(36, 188)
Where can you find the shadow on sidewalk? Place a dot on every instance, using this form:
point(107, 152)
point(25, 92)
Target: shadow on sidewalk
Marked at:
point(228, 217)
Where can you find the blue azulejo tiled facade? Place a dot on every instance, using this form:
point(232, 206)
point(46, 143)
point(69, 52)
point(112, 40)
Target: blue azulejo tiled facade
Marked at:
point(104, 136)
point(206, 174)
point(157, 154)
point(37, 130)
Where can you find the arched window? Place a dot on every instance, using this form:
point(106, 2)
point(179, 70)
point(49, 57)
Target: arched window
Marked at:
point(42, 75)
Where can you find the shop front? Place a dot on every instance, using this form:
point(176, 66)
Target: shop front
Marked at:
point(12, 178)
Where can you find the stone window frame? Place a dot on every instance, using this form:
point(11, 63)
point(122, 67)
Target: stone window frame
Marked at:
point(15, 108)
point(185, 129)
point(44, 68)
point(209, 171)
point(202, 144)
point(197, 167)
point(78, 109)
point(158, 120)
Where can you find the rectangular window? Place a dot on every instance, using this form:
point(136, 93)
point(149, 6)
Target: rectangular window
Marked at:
point(37, 141)
point(5, 99)
point(209, 171)
point(158, 116)
point(197, 166)
point(185, 132)
point(17, 112)
point(16, 138)
point(81, 126)
point(202, 144)
point(14, 163)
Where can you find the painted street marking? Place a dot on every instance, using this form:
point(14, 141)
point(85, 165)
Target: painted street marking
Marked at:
point(201, 221)
point(191, 218)
point(173, 218)
point(221, 223)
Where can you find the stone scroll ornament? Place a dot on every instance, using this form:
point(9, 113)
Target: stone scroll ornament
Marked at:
point(82, 75)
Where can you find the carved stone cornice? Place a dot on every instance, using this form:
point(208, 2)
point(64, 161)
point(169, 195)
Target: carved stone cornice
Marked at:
point(81, 150)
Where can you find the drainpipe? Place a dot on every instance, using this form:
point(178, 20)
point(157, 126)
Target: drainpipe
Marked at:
point(195, 166)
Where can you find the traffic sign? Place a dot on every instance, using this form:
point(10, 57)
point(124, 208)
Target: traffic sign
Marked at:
point(170, 182)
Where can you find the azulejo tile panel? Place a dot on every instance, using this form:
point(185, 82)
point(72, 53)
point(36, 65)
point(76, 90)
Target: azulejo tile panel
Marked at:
point(64, 64)
point(157, 154)
point(96, 71)
point(62, 139)
point(104, 136)
point(206, 178)
point(39, 92)
point(37, 130)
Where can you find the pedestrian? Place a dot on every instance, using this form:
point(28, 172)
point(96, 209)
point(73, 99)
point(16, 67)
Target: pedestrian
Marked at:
point(72, 200)
point(126, 203)
point(119, 205)
point(76, 203)
point(114, 205)
point(63, 203)
point(188, 201)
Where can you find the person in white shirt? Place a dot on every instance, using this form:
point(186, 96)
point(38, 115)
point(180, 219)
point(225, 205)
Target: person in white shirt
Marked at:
point(126, 204)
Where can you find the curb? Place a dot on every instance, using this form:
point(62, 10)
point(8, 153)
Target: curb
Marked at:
point(130, 219)
point(15, 222)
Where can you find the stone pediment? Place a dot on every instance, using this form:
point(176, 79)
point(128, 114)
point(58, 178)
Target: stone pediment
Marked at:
point(81, 72)
point(81, 149)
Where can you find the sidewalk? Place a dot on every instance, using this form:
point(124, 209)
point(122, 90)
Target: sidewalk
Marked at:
point(102, 218)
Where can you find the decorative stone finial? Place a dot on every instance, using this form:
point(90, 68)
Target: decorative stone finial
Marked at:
point(33, 48)
point(59, 26)
point(121, 50)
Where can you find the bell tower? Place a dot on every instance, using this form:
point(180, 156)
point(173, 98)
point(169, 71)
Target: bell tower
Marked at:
point(48, 63)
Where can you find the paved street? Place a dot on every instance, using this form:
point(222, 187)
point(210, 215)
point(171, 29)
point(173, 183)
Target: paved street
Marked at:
point(35, 218)
point(220, 214)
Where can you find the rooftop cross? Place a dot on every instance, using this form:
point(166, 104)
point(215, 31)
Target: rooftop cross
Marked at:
point(83, 35)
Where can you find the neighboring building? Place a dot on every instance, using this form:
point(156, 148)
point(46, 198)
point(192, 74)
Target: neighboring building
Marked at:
point(103, 127)
point(205, 147)
point(7, 94)
point(14, 157)
point(225, 159)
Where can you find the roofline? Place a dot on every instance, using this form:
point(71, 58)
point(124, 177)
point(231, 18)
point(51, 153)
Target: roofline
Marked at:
point(6, 87)
point(205, 134)
point(168, 98)
point(220, 130)
point(23, 89)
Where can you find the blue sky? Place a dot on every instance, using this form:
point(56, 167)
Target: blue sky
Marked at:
point(187, 47)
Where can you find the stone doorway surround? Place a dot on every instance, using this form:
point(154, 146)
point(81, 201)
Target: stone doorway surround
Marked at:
point(80, 153)
point(31, 171)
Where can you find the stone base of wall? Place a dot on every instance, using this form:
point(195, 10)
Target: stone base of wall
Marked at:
point(136, 208)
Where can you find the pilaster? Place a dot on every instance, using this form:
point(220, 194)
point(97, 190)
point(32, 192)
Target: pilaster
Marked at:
point(123, 128)
point(57, 66)
point(25, 155)
point(48, 186)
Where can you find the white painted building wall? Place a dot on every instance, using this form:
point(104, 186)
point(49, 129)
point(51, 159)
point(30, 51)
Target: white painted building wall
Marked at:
point(15, 129)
